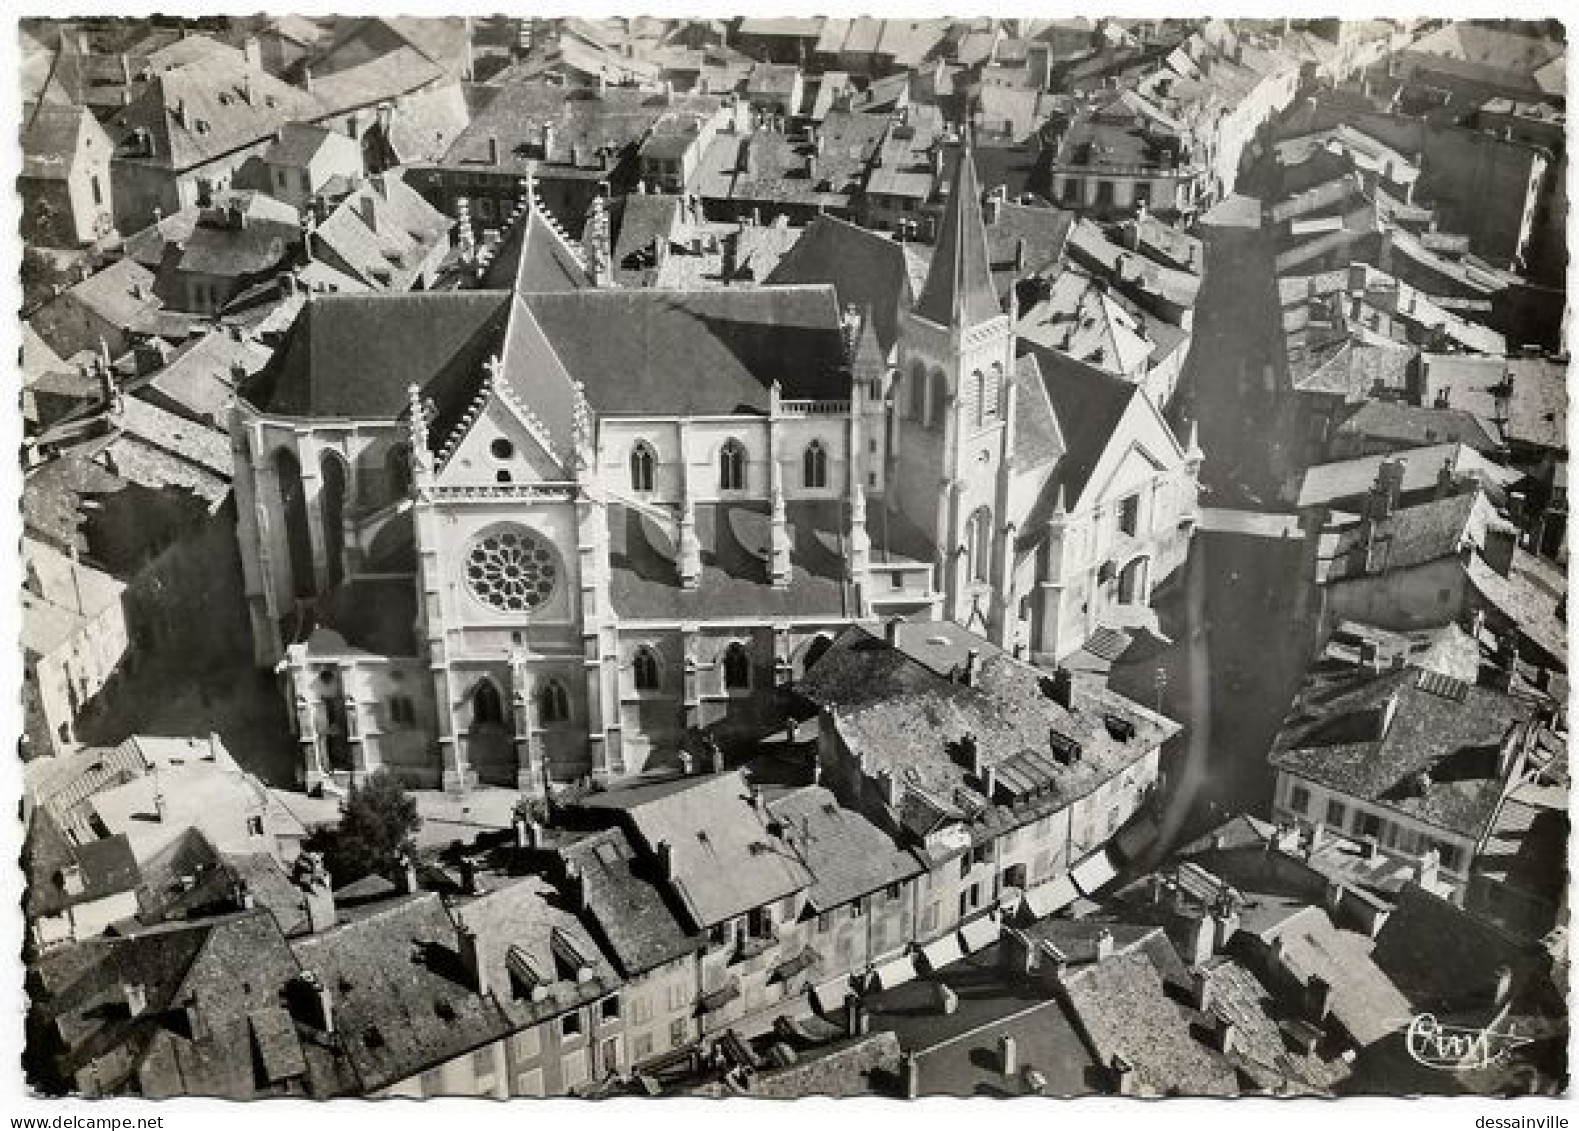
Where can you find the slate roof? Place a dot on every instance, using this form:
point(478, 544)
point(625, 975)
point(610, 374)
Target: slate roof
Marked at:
point(1088, 403)
point(1412, 536)
point(959, 288)
point(354, 356)
point(726, 858)
point(110, 295)
point(199, 380)
point(1365, 1001)
point(535, 257)
point(1124, 1010)
point(899, 709)
point(625, 903)
point(526, 923)
point(1444, 958)
point(1414, 426)
point(582, 118)
point(183, 967)
point(1133, 272)
point(866, 268)
point(401, 1000)
point(701, 352)
point(644, 577)
point(1038, 439)
point(107, 867)
point(225, 108)
point(50, 138)
point(1044, 231)
point(1237, 996)
point(848, 855)
point(1333, 484)
point(1336, 740)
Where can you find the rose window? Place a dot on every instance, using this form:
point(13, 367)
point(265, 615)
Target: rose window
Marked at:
point(511, 570)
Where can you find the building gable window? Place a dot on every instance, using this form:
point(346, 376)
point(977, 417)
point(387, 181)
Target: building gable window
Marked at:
point(815, 465)
point(642, 464)
point(644, 669)
point(732, 466)
point(1129, 515)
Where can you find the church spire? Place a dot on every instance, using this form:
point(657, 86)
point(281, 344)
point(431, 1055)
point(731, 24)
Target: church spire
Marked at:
point(959, 291)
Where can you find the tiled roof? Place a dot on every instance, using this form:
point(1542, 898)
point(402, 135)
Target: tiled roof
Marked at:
point(1529, 598)
point(50, 138)
point(1437, 760)
point(1133, 272)
point(1081, 319)
point(1124, 1010)
point(726, 859)
point(1042, 231)
point(199, 380)
point(1538, 406)
point(848, 855)
point(297, 144)
point(900, 710)
point(625, 903)
point(401, 1001)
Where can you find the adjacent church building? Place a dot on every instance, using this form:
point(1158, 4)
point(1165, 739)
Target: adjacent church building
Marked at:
point(551, 529)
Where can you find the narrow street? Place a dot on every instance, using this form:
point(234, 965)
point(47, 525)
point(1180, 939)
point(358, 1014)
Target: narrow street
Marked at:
point(1234, 613)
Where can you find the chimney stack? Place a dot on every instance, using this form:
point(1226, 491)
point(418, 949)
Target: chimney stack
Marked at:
point(891, 631)
point(472, 960)
point(493, 149)
point(408, 882)
point(1008, 1056)
point(322, 1000)
point(664, 852)
point(1063, 687)
point(972, 666)
point(1318, 998)
point(1104, 944)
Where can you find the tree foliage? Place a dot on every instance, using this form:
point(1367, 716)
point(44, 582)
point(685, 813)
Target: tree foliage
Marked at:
point(378, 823)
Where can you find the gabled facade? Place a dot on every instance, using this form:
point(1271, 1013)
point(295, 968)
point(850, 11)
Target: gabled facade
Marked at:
point(559, 530)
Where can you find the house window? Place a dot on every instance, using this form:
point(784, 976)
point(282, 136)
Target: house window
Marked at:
point(678, 1033)
point(644, 669)
point(254, 826)
point(642, 463)
point(609, 1009)
point(98, 191)
point(1299, 799)
point(1335, 814)
point(1129, 515)
point(732, 466)
point(501, 448)
point(759, 923)
point(737, 668)
point(553, 702)
point(570, 1025)
point(815, 465)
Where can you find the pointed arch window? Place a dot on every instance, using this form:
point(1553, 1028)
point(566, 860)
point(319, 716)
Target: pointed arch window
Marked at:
point(939, 385)
point(643, 461)
point(553, 702)
point(644, 669)
point(918, 393)
point(487, 705)
point(814, 467)
point(979, 380)
point(978, 536)
point(737, 668)
point(397, 470)
point(732, 466)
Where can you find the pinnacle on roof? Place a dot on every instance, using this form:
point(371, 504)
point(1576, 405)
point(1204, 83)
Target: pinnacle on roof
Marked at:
point(959, 291)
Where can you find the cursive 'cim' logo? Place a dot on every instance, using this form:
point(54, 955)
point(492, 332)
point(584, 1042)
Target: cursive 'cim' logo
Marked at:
point(1456, 1048)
